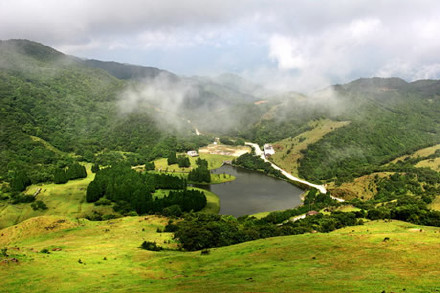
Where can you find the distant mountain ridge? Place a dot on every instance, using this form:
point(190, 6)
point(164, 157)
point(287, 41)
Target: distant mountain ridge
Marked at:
point(73, 104)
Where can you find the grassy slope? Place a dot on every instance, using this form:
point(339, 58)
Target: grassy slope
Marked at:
point(288, 150)
point(69, 199)
point(435, 205)
point(434, 164)
point(61, 199)
point(354, 259)
point(214, 162)
point(362, 187)
point(420, 153)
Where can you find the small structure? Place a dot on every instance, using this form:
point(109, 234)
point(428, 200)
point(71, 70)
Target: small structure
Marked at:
point(268, 150)
point(192, 153)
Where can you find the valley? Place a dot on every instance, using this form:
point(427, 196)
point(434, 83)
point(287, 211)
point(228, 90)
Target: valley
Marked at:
point(105, 185)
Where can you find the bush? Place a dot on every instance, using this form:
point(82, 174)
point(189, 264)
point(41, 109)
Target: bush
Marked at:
point(22, 198)
point(152, 246)
point(103, 202)
point(38, 205)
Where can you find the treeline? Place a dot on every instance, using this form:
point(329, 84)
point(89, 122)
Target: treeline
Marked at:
point(132, 191)
point(201, 231)
point(231, 141)
point(253, 162)
point(73, 171)
point(409, 209)
point(165, 181)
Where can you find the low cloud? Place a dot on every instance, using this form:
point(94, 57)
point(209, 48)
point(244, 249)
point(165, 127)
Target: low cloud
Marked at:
point(163, 96)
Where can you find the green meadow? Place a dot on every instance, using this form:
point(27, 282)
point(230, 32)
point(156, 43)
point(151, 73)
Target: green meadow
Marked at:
point(105, 256)
point(69, 199)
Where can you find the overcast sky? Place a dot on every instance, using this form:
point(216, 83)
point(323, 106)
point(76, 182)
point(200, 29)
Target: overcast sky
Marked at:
point(291, 44)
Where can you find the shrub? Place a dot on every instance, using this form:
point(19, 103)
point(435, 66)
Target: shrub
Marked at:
point(38, 205)
point(103, 202)
point(152, 246)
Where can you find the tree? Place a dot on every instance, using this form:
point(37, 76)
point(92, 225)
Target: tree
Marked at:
point(200, 174)
point(95, 168)
point(152, 246)
point(149, 166)
point(94, 192)
point(172, 158)
point(20, 181)
point(38, 205)
point(183, 162)
point(202, 163)
point(75, 171)
point(59, 176)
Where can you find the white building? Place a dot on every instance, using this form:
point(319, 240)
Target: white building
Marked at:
point(268, 150)
point(192, 153)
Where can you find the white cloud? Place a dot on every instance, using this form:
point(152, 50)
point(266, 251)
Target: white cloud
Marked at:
point(334, 41)
point(287, 52)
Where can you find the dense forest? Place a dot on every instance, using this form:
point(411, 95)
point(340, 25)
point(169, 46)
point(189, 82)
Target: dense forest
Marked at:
point(132, 191)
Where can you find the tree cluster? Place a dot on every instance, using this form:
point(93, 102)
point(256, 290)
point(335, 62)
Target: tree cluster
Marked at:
point(74, 171)
point(253, 162)
point(201, 174)
point(202, 231)
point(132, 191)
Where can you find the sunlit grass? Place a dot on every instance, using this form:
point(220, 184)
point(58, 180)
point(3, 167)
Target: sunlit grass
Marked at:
point(353, 259)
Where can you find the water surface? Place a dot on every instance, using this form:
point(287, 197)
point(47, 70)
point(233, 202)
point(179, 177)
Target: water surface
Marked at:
point(253, 192)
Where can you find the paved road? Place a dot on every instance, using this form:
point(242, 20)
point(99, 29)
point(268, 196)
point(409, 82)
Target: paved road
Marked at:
point(260, 153)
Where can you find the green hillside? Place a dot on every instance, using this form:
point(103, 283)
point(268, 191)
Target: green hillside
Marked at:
point(105, 257)
point(48, 96)
point(374, 142)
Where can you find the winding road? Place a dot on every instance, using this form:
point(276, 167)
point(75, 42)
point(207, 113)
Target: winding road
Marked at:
point(260, 153)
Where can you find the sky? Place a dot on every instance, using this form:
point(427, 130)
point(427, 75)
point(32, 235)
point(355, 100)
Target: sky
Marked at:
point(289, 45)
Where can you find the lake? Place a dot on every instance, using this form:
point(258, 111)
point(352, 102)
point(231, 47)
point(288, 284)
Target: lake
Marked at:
point(253, 192)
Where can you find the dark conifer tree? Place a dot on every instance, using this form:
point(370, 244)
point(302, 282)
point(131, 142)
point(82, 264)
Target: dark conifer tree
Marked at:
point(95, 168)
point(59, 176)
point(20, 181)
point(172, 158)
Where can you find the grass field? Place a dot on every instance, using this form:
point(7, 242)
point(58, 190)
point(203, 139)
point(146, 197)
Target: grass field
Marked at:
point(420, 153)
point(435, 205)
point(434, 164)
point(287, 151)
point(61, 199)
point(214, 162)
point(362, 187)
point(69, 200)
point(104, 257)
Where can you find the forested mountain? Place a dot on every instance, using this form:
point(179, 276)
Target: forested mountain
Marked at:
point(388, 117)
point(55, 108)
point(128, 71)
point(74, 105)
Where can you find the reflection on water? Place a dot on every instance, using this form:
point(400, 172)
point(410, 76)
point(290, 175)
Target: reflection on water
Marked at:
point(253, 192)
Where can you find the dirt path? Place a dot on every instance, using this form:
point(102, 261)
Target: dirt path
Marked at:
point(260, 153)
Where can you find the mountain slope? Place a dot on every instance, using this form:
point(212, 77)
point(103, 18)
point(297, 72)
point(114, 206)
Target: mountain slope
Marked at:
point(47, 94)
point(388, 118)
point(354, 259)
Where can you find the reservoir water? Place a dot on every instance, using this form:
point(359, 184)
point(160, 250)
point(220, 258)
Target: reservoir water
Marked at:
point(253, 192)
